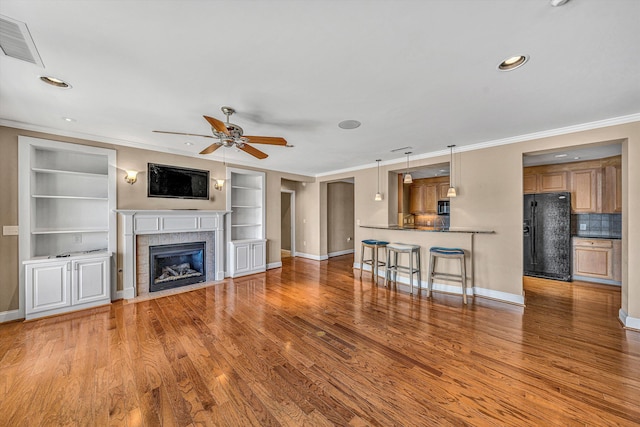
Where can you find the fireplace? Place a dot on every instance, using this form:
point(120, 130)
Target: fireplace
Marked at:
point(175, 265)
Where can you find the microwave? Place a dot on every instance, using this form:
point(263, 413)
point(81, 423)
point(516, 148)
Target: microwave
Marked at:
point(443, 207)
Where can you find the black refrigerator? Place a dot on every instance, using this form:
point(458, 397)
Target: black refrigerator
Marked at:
point(547, 235)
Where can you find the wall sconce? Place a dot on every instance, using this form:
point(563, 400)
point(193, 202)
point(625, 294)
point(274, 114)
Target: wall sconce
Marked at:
point(218, 183)
point(379, 196)
point(131, 177)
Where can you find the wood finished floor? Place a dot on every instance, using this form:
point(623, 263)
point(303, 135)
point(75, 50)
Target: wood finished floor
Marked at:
point(309, 344)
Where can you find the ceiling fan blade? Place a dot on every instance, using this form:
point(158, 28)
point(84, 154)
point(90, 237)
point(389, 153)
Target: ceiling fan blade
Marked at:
point(182, 133)
point(253, 151)
point(272, 140)
point(210, 149)
point(217, 125)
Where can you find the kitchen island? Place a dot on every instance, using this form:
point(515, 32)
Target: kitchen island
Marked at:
point(427, 237)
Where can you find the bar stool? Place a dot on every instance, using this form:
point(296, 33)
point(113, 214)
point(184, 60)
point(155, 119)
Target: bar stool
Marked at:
point(453, 253)
point(374, 262)
point(393, 266)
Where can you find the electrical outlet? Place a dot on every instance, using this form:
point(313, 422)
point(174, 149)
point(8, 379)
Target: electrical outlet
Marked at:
point(304, 243)
point(357, 222)
point(583, 227)
point(10, 230)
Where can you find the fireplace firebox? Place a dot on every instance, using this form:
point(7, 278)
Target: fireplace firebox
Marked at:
point(172, 266)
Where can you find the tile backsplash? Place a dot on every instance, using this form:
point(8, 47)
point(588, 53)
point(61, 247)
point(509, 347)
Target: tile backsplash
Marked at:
point(597, 225)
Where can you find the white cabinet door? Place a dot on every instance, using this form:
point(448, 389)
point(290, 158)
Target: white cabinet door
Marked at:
point(47, 286)
point(241, 258)
point(91, 280)
point(258, 256)
point(247, 257)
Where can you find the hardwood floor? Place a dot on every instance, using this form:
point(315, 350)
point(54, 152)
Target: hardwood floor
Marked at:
point(309, 344)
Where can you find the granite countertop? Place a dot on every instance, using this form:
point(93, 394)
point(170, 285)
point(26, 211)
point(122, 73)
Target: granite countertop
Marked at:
point(428, 229)
point(582, 236)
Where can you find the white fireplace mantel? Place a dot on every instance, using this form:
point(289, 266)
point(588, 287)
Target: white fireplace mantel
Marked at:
point(140, 222)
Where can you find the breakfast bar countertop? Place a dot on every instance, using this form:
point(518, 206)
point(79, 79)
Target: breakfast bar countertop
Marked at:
point(429, 229)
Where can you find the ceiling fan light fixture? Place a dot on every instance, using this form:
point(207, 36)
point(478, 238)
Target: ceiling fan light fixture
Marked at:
point(513, 62)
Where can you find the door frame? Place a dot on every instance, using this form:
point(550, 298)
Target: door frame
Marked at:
point(292, 194)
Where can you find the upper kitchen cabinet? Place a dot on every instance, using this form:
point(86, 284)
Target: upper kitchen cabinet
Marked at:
point(584, 191)
point(425, 193)
point(595, 185)
point(612, 193)
point(538, 179)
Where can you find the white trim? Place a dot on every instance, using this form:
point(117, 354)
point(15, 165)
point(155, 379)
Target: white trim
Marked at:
point(345, 252)
point(628, 321)
point(7, 316)
point(478, 146)
point(273, 265)
point(139, 222)
point(292, 202)
point(497, 142)
point(453, 289)
point(313, 257)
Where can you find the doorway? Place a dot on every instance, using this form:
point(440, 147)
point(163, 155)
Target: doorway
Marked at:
point(287, 224)
point(590, 177)
point(340, 217)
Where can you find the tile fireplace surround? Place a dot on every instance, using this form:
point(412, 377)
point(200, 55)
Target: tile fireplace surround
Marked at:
point(174, 226)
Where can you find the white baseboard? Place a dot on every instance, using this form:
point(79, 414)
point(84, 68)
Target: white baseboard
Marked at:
point(7, 316)
point(274, 265)
point(314, 257)
point(628, 321)
point(453, 289)
point(345, 252)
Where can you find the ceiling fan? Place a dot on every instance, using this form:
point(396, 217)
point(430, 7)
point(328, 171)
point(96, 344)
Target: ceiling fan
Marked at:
point(230, 135)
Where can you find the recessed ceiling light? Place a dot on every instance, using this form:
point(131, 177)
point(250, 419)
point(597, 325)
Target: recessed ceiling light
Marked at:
point(513, 62)
point(68, 119)
point(560, 155)
point(55, 82)
point(188, 143)
point(576, 158)
point(556, 3)
point(349, 124)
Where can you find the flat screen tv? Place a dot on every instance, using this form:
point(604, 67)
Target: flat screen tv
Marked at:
point(175, 182)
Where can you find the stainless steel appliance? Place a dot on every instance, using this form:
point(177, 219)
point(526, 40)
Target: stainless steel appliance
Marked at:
point(443, 207)
point(547, 235)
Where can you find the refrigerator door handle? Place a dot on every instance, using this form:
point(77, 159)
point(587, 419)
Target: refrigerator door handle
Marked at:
point(532, 241)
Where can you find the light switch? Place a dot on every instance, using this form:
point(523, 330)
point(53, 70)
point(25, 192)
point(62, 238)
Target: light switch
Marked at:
point(10, 230)
point(583, 227)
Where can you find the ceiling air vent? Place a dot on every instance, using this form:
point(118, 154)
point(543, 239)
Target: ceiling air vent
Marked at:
point(16, 41)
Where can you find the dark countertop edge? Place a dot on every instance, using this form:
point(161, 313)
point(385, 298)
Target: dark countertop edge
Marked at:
point(427, 229)
point(597, 237)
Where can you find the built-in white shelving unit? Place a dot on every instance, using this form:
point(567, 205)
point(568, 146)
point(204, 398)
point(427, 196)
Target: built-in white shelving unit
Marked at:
point(246, 200)
point(67, 225)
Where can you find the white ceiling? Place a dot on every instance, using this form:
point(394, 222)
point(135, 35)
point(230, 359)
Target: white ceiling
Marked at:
point(415, 73)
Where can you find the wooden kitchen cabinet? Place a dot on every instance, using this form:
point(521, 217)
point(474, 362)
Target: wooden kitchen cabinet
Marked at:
point(551, 182)
point(612, 195)
point(598, 259)
point(443, 189)
point(417, 197)
point(584, 191)
point(423, 199)
point(530, 183)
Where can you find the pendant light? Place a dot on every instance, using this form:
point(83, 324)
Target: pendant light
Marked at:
point(379, 195)
point(407, 176)
point(451, 192)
